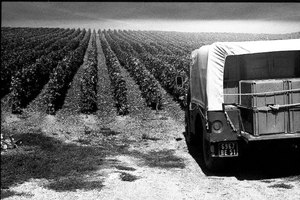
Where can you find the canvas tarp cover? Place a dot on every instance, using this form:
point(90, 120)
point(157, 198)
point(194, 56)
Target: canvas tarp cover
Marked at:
point(207, 68)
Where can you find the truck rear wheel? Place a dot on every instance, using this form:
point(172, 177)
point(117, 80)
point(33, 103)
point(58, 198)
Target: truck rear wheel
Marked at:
point(210, 163)
point(191, 139)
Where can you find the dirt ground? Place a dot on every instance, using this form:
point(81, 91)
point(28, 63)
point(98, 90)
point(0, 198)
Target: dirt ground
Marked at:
point(128, 157)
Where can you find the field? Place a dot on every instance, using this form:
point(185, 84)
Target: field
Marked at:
point(97, 114)
point(47, 60)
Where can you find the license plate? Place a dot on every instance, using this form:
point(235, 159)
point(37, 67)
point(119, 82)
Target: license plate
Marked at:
point(228, 149)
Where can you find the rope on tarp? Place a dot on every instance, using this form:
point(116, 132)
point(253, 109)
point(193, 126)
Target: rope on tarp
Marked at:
point(264, 93)
point(277, 107)
point(272, 107)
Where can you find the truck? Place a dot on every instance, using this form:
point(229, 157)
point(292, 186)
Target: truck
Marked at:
point(240, 93)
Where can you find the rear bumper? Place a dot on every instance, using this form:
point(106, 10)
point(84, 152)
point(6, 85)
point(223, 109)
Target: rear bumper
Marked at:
point(247, 137)
point(244, 141)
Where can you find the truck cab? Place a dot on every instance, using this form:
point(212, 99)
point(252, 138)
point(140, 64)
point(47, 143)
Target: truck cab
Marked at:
point(240, 93)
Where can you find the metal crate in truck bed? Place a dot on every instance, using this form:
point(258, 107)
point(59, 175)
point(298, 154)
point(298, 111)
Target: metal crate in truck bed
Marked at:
point(270, 106)
point(263, 122)
point(294, 98)
point(258, 93)
point(294, 120)
point(294, 87)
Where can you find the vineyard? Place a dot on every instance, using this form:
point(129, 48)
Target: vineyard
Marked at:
point(98, 114)
point(45, 60)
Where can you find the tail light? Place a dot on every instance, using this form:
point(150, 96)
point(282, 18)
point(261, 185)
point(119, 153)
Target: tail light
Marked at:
point(217, 126)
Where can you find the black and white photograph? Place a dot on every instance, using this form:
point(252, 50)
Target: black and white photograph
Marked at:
point(159, 100)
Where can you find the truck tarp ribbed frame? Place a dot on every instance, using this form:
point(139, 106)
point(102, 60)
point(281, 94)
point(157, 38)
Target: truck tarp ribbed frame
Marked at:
point(207, 68)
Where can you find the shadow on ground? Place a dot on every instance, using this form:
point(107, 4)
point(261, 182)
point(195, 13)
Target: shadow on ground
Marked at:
point(63, 165)
point(258, 162)
point(71, 166)
point(165, 159)
point(9, 193)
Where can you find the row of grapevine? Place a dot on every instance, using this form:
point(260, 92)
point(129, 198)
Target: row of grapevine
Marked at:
point(146, 47)
point(175, 45)
point(33, 44)
point(12, 33)
point(23, 59)
point(180, 62)
point(28, 81)
point(151, 42)
point(88, 86)
point(162, 43)
point(31, 58)
point(168, 41)
point(9, 52)
point(123, 44)
point(117, 81)
point(147, 83)
point(164, 73)
point(16, 37)
point(33, 41)
point(63, 74)
point(196, 40)
point(115, 43)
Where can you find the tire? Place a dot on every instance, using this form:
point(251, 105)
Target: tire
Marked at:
point(191, 139)
point(188, 135)
point(210, 163)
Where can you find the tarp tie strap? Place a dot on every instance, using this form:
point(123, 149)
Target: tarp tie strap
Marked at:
point(277, 107)
point(264, 93)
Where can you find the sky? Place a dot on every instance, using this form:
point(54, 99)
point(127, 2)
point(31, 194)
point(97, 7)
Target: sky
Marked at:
point(168, 16)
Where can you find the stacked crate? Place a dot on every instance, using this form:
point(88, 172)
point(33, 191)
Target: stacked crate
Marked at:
point(294, 98)
point(231, 92)
point(258, 118)
point(264, 107)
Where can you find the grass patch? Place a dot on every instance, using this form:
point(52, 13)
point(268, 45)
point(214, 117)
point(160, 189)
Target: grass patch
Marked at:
point(147, 137)
point(9, 193)
point(161, 159)
point(37, 139)
point(128, 177)
point(281, 185)
point(40, 156)
point(163, 118)
point(266, 181)
point(74, 183)
point(84, 141)
point(120, 167)
point(108, 132)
